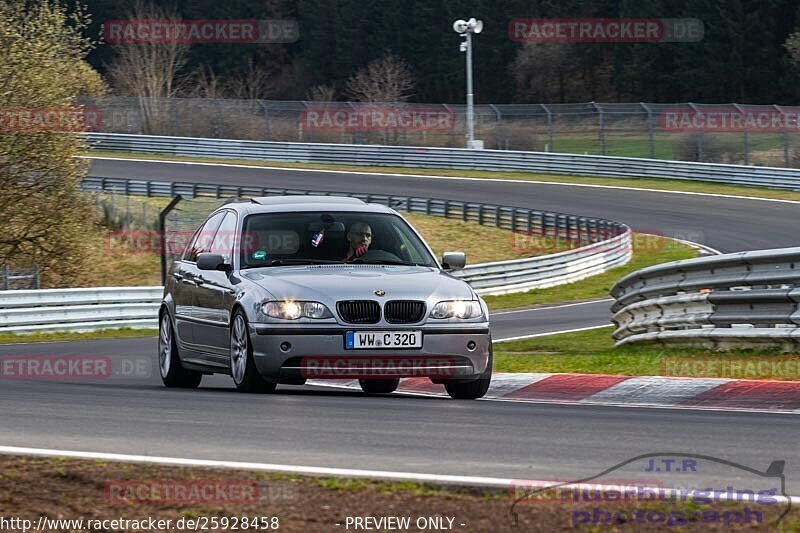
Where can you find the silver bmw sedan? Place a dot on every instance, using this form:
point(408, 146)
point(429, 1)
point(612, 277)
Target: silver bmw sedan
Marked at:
point(287, 289)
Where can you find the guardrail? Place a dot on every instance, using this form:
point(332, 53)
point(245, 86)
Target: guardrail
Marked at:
point(731, 300)
point(451, 158)
point(79, 309)
point(599, 244)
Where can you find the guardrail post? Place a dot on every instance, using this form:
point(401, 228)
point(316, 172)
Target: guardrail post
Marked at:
point(549, 128)
point(650, 130)
point(529, 222)
point(36, 278)
point(496, 216)
point(162, 224)
point(601, 125)
point(427, 206)
point(464, 208)
point(447, 209)
point(5, 277)
point(480, 214)
point(513, 219)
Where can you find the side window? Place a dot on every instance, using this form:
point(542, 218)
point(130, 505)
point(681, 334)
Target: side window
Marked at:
point(202, 240)
point(225, 237)
point(408, 252)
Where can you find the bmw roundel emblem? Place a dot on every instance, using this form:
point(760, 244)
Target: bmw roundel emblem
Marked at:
point(380, 292)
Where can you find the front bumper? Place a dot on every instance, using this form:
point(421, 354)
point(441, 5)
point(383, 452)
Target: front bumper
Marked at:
point(291, 353)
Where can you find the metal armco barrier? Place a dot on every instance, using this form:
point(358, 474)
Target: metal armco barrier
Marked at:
point(743, 299)
point(79, 309)
point(598, 244)
point(450, 158)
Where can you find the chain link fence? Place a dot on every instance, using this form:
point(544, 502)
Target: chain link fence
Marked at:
point(715, 133)
point(19, 278)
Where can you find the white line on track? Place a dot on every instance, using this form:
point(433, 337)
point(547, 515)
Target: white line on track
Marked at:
point(504, 483)
point(435, 177)
point(508, 339)
point(532, 309)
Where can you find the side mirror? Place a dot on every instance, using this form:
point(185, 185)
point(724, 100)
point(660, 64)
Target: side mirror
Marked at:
point(206, 261)
point(454, 260)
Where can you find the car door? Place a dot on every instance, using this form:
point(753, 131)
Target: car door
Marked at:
point(190, 275)
point(214, 296)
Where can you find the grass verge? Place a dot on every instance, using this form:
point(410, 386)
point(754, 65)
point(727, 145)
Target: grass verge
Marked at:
point(56, 336)
point(648, 250)
point(593, 352)
point(639, 183)
point(95, 491)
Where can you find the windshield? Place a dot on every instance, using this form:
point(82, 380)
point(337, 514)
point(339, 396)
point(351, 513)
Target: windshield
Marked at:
point(275, 239)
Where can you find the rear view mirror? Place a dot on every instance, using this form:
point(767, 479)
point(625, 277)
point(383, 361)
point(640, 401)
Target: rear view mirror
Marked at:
point(206, 261)
point(454, 260)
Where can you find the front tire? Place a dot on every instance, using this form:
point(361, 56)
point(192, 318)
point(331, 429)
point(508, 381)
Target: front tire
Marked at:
point(243, 369)
point(471, 390)
point(379, 386)
point(173, 374)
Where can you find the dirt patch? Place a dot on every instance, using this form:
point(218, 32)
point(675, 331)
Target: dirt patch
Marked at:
point(93, 490)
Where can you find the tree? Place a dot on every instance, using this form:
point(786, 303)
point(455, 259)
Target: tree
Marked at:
point(388, 79)
point(44, 218)
point(793, 47)
point(149, 71)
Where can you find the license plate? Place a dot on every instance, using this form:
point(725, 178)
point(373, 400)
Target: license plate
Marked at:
point(360, 340)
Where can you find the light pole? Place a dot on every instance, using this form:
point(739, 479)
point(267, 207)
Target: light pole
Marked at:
point(466, 28)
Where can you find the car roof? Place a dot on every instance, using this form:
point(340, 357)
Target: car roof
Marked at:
point(298, 203)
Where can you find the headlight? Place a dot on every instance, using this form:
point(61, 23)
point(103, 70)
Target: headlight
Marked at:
point(460, 309)
point(291, 310)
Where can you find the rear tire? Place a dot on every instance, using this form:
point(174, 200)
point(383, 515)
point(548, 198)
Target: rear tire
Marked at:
point(471, 390)
point(245, 375)
point(379, 386)
point(173, 374)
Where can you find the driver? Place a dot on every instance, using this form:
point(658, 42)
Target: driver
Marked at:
point(359, 237)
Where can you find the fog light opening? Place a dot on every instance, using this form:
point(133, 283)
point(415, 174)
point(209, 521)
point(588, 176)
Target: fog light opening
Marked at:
point(286, 346)
point(471, 345)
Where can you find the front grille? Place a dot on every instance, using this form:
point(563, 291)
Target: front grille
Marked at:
point(359, 311)
point(404, 311)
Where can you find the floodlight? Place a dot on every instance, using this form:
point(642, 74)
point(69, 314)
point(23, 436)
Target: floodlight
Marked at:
point(460, 26)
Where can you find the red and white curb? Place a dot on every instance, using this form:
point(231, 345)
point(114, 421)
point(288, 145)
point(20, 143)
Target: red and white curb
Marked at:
point(633, 391)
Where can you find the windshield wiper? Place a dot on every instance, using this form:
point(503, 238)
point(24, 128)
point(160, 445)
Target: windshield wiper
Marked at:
point(281, 262)
point(385, 262)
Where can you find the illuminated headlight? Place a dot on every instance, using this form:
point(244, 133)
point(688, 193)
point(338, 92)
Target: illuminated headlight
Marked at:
point(460, 309)
point(291, 310)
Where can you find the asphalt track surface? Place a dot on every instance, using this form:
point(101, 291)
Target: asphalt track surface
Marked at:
point(131, 413)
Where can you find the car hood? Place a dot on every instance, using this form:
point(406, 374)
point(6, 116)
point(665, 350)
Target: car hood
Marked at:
point(331, 283)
